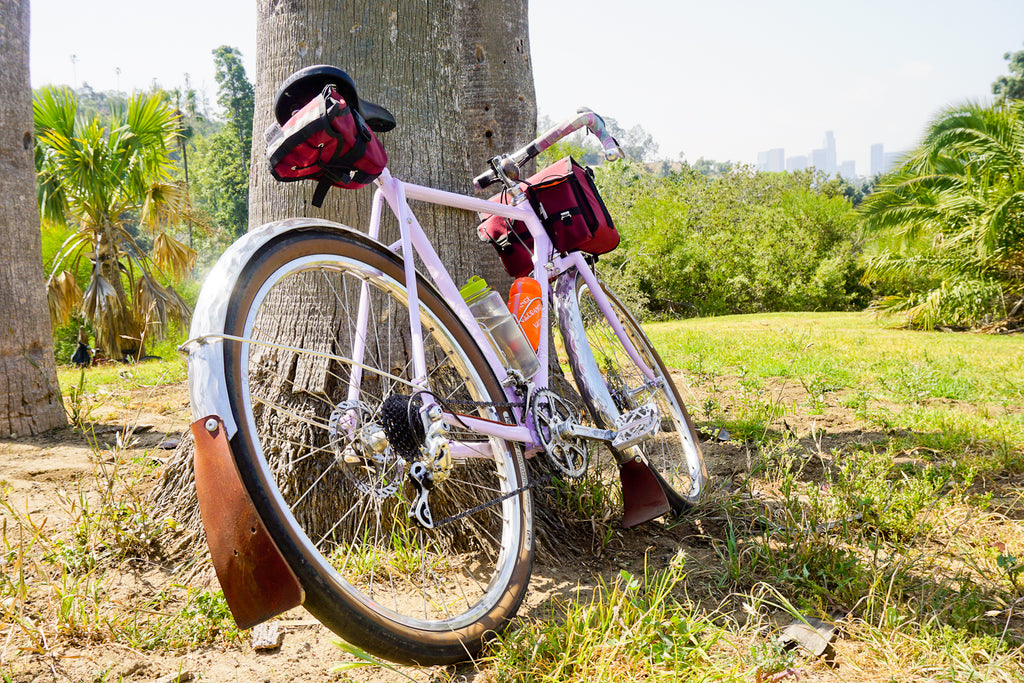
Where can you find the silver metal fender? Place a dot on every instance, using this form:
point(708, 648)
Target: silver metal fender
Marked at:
point(206, 384)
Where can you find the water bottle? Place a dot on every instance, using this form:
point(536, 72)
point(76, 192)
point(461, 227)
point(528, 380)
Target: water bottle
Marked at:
point(501, 328)
point(525, 304)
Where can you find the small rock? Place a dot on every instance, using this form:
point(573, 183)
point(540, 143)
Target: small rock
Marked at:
point(177, 677)
point(168, 445)
point(132, 667)
point(815, 635)
point(267, 636)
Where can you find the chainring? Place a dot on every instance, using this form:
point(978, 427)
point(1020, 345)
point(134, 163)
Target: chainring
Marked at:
point(551, 415)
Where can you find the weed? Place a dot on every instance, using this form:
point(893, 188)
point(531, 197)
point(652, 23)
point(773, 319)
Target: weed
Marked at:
point(632, 627)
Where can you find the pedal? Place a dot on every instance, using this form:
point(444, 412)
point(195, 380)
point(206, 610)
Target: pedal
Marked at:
point(635, 426)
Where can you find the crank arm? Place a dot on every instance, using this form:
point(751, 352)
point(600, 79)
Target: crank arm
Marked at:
point(630, 428)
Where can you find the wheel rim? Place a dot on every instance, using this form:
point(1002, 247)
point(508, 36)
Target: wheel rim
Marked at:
point(354, 531)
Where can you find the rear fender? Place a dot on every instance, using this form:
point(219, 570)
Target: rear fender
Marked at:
point(257, 582)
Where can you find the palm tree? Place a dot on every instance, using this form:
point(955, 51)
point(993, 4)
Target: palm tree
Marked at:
point(949, 223)
point(102, 179)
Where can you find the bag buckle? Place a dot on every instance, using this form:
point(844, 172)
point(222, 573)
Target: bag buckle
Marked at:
point(503, 242)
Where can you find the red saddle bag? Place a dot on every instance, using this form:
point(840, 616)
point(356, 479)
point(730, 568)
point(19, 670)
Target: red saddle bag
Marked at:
point(326, 141)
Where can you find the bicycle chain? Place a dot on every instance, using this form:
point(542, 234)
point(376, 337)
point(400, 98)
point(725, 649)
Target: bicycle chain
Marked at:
point(511, 494)
point(483, 506)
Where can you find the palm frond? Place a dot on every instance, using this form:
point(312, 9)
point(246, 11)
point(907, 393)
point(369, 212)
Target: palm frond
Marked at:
point(157, 306)
point(103, 305)
point(959, 303)
point(173, 257)
point(166, 204)
point(64, 296)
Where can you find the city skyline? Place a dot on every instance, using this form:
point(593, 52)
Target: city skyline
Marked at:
point(825, 159)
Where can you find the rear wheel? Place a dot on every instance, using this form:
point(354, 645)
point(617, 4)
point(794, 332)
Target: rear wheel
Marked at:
point(332, 489)
point(610, 384)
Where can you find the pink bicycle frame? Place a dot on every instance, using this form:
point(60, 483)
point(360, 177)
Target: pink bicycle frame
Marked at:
point(547, 265)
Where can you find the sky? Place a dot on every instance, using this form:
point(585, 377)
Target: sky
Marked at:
point(721, 80)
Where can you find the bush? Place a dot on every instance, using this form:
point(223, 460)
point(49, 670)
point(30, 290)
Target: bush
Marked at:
point(744, 243)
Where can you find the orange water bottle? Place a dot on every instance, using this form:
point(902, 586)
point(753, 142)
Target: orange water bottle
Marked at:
point(524, 303)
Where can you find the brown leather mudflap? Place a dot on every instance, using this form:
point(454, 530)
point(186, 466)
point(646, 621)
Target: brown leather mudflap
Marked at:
point(257, 582)
point(643, 499)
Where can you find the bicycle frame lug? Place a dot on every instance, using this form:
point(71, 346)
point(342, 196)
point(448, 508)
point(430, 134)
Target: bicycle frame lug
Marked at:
point(515, 379)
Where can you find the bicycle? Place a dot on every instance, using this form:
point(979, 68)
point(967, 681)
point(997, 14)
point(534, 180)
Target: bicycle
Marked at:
point(384, 447)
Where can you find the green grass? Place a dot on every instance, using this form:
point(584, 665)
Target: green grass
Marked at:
point(116, 378)
point(881, 486)
point(852, 350)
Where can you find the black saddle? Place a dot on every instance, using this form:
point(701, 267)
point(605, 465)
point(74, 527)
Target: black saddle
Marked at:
point(305, 84)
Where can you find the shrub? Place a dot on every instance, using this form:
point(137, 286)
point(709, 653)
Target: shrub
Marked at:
point(744, 243)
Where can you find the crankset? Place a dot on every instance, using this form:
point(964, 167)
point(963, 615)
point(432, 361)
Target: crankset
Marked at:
point(563, 437)
point(553, 418)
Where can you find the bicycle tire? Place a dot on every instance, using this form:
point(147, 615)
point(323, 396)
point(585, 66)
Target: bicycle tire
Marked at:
point(674, 453)
point(339, 514)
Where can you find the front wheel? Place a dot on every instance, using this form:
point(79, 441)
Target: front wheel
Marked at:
point(610, 384)
point(309, 389)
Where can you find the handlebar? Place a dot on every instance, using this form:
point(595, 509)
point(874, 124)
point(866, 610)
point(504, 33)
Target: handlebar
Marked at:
point(584, 117)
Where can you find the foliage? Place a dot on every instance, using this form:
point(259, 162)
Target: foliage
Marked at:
point(220, 182)
point(949, 224)
point(221, 159)
point(631, 628)
point(694, 245)
point(103, 178)
point(1011, 87)
point(235, 93)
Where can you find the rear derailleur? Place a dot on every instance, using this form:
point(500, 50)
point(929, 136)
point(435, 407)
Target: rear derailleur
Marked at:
point(420, 435)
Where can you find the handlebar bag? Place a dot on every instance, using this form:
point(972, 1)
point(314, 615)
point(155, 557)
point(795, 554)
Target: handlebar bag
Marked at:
point(570, 208)
point(567, 201)
point(326, 141)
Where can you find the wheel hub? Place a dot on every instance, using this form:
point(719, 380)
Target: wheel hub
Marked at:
point(363, 451)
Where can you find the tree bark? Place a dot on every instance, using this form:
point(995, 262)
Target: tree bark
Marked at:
point(30, 401)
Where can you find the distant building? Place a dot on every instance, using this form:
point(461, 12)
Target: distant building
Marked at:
point(773, 160)
point(877, 159)
point(819, 159)
point(848, 169)
point(882, 161)
point(829, 166)
point(797, 163)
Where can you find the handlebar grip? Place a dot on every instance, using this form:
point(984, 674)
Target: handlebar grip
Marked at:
point(485, 179)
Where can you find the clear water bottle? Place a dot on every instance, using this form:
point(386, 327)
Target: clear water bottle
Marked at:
point(501, 328)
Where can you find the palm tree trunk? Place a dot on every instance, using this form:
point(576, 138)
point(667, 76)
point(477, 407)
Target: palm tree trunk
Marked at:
point(30, 402)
